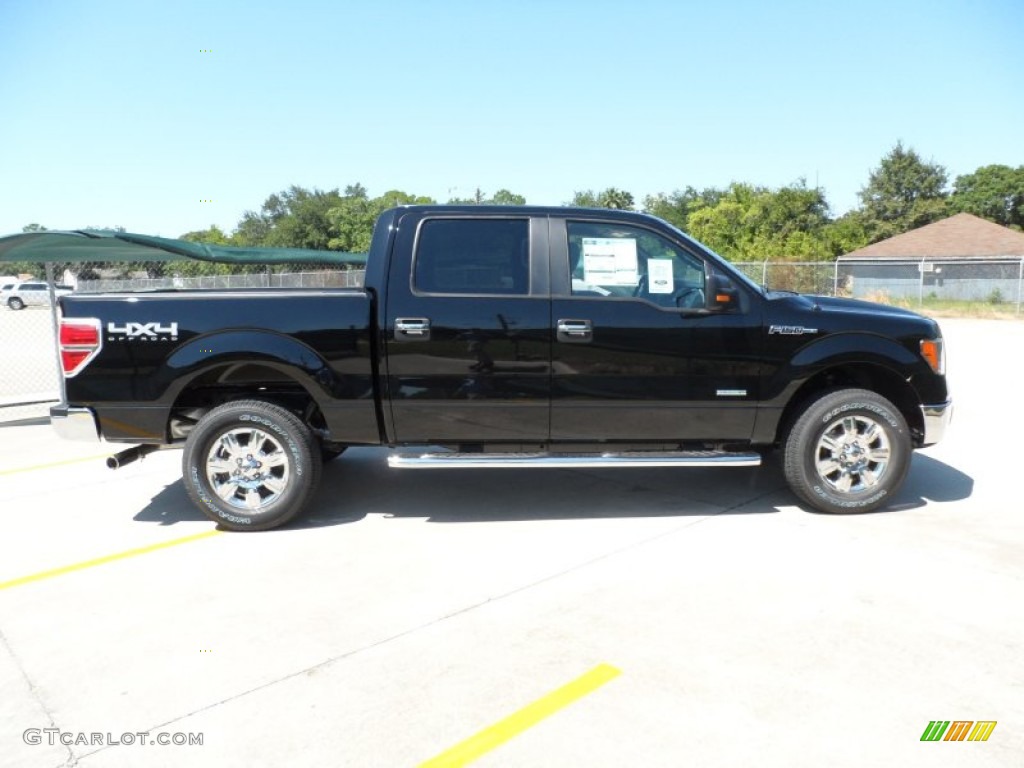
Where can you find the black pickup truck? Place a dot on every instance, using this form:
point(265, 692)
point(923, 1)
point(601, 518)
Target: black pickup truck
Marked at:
point(507, 337)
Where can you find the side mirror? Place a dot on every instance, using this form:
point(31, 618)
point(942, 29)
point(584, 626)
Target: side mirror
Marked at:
point(721, 294)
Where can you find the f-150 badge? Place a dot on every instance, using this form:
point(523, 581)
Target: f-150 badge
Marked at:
point(142, 332)
point(790, 330)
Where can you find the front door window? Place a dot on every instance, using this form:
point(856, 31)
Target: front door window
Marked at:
point(622, 261)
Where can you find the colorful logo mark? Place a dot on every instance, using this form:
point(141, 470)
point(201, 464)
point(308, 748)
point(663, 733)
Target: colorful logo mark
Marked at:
point(958, 730)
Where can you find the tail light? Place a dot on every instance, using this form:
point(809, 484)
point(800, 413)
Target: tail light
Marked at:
point(80, 342)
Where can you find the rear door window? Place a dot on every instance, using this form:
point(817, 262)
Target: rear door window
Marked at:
point(473, 257)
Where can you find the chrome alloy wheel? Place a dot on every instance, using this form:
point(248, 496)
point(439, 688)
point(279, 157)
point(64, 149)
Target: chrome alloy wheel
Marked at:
point(247, 468)
point(852, 454)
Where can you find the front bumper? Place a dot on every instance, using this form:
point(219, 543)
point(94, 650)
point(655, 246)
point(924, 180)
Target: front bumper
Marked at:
point(936, 421)
point(74, 423)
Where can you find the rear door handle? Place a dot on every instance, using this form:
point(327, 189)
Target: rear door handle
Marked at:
point(412, 329)
point(574, 331)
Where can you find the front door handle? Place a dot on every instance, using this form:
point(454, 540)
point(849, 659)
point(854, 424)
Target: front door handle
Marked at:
point(574, 331)
point(412, 329)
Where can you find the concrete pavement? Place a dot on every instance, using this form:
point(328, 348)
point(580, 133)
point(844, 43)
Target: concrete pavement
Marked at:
point(407, 611)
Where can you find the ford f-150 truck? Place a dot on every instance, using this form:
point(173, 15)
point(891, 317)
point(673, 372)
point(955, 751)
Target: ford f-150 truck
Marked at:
point(507, 337)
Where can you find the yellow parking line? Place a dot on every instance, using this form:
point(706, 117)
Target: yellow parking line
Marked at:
point(105, 559)
point(497, 734)
point(18, 470)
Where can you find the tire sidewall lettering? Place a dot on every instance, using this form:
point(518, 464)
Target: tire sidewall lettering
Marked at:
point(846, 503)
point(831, 416)
point(204, 496)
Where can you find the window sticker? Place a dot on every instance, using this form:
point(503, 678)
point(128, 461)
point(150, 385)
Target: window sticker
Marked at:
point(610, 261)
point(659, 276)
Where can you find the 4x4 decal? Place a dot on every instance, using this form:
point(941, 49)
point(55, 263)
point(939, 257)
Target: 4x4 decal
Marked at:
point(142, 332)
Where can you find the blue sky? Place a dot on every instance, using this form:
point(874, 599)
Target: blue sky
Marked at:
point(111, 114)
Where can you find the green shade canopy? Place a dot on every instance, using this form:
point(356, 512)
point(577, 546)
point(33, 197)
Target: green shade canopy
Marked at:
point(108, 246)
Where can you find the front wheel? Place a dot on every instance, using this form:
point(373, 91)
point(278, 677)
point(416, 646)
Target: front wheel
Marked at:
point(848, 452)
point(251, 465)
point(15, 303)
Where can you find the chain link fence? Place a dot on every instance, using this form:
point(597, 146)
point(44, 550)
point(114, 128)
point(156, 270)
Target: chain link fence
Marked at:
point(29, 369)
point(29, 377)
point(349, 278)
point(926, 284)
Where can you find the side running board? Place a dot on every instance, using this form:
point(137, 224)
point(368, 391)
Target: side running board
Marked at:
point(574, 460)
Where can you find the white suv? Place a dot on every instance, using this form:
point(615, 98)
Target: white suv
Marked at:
point(31, 294)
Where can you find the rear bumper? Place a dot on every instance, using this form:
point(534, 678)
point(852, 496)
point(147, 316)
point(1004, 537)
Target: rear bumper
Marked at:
point(74, 423)
point(936, 421)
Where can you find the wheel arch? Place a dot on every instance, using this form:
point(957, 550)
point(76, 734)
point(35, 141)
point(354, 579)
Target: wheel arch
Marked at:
point(211, 370)
point(875, 377)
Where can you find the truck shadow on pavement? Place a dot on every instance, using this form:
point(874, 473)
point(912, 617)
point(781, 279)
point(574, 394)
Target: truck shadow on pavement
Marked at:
point(931, 480)
point(171, 505)
point(360, 484)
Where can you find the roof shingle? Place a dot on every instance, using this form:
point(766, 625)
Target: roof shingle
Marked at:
point(963, 236)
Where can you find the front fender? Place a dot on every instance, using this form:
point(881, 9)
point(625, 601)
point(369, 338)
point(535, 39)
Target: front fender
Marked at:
point(836, 351)
point(878, 358)
point(865, 345)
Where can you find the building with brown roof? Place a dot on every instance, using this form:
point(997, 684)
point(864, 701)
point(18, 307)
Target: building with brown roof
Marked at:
point(962, 257)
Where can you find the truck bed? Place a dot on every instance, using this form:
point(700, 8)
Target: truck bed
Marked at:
point(160, 348)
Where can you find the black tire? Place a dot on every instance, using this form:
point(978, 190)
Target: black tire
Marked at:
point(250, 494)
point(15, 303)
point(849, 451)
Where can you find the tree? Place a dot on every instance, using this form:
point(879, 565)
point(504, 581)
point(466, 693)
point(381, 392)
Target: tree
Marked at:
point(252, 230)
point(351, 223)
point(355, 190)
point(609, 198)
point(677, 207)
point(994, 192)
point(478, 198)
point(845, 234)
point(616, 198)
point(501, 197)
point(756, 223)
point(294, 218)
point(395, 197)
point(213, 235)
point(352, 219)
point(304, 222)
point(34, 228)
point(585, 199)
point(721, 227)
point(903, 193)
point(506, 197)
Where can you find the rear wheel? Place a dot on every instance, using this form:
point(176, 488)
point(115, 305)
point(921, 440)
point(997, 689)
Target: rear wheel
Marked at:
point(848, 452)
point(15, 303)
point(251, 465)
